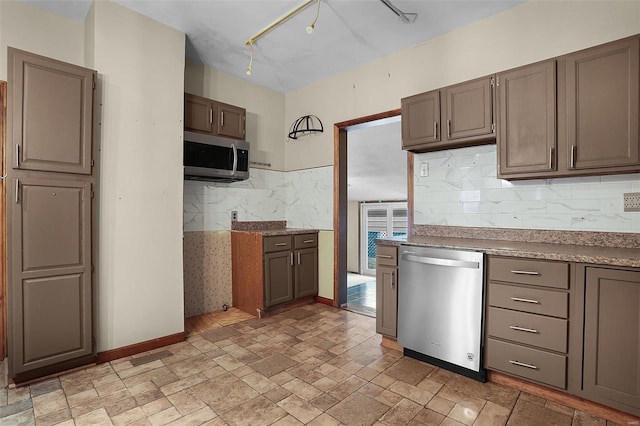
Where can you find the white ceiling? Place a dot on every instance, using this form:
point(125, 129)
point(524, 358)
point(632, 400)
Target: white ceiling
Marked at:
point(376, 163)
point(348, 32)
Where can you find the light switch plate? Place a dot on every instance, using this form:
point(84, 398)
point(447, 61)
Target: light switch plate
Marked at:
point(424, 169)
point(632, 202)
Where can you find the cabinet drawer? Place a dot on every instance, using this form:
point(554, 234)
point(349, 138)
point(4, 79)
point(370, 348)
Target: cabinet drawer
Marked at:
point(277, 243)
point(534, 364)
point(524, 271)
point(535, 330)
point(534, 300)
point(387, 255)
point(305, 240)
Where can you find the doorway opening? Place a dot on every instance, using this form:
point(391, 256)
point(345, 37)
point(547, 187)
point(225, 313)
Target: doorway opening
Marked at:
point(356, 147)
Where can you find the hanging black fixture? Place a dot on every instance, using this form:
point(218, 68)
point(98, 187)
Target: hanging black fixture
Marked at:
point(305, 125)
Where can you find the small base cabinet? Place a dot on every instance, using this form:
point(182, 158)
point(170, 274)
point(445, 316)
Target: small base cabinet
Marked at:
point(610, 367)
point(272, 270)
point(387, 291)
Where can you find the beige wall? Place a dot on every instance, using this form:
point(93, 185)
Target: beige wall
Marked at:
point(141, 68)
point(265, 109)
point(531, 32)
point(25, 27)
point(353, 237)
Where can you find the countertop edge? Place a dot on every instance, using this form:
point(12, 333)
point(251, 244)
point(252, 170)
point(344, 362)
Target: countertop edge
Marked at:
point(276, 232)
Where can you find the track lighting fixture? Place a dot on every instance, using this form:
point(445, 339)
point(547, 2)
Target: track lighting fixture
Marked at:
point(279, 22)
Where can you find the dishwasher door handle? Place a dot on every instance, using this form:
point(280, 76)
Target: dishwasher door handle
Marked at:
point(441, 262)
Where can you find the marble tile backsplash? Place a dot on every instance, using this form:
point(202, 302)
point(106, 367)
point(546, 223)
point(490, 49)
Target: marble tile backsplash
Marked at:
point(303, 198)
point(462, 190)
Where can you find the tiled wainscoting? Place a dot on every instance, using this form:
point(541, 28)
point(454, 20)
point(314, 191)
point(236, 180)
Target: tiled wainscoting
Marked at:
point(313, 365)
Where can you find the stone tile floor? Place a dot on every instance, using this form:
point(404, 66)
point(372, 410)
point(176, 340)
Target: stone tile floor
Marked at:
point(312, 365)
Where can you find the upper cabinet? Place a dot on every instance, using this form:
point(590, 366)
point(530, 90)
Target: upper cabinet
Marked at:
point(602, 106)
point(216, 118)
point(571, 116)
point(455, 116)
point(526, 104)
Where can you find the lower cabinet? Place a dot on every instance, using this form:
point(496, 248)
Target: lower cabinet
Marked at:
point(387, 290)
point(611, 361)
point(574, 327)
point(271, 270)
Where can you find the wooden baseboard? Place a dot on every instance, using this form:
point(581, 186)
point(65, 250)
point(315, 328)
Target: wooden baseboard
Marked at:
point(575, 402)
point(137, 348)
point(391, 343)
point(324, 300)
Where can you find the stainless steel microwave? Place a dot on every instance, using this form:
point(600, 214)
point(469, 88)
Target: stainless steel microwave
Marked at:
point(214, 158)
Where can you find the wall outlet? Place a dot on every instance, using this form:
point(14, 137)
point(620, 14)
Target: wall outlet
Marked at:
point(424, 169)
point(632, 202)
point(234, 215)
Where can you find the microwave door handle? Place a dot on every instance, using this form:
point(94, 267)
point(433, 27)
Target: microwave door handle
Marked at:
point(235, 159)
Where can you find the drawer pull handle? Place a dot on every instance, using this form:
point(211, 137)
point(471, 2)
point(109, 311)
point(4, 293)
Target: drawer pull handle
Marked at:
point(384, 256)
point(528, 330)
point(308, 241)
point(518, 299)
point(280, 244)
point(525, 272)
point(522, 364)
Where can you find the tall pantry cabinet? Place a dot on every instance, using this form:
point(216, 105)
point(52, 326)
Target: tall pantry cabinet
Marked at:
point(51, 177)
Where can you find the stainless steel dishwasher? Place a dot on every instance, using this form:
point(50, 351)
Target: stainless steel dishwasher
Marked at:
point(440, 307)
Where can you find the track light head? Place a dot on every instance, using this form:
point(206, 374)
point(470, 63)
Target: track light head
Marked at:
point(310, 28)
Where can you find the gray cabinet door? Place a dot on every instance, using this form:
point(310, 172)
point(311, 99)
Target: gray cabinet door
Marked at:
point(231, 121)
point(57, 98)
point(526, 104)
point(50, 276)
point(612, 337)
point(386, 300)
point(198, 114)
point(306, 272)
point(468, 110)
point(421, 119)
point(602, 106)
point(278, 284)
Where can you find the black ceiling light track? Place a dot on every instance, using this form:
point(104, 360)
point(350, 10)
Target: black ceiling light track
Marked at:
point(407, 18)
point(305, 125)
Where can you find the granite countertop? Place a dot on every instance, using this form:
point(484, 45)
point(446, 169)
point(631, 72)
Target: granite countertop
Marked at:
point(537, 250)
point(269, 228)
point(278, 231)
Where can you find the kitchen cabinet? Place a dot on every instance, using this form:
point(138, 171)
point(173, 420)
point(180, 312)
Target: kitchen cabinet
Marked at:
point(270, 270)
point(455, 116)
point(575, 115)
point(610, 324)
point(212, 117)
point(526, 105)
point(602, 93)
point(387, 290)
point(527, 317)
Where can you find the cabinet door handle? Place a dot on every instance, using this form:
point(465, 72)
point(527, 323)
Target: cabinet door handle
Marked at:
point(280, 244)
point(298, 258)
point(525, 272)
point(384, 256)
point(435, 130)
point(449, 128)
point(518, 299)
point(17, 190)
point(222, 121)
point(291, 258)
point(550, 158)
point(307, 241)
point(393, 281)
point(573, 157)
point(17, 156)
point(522, 364)
point(211, 115)
point(528, 330)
